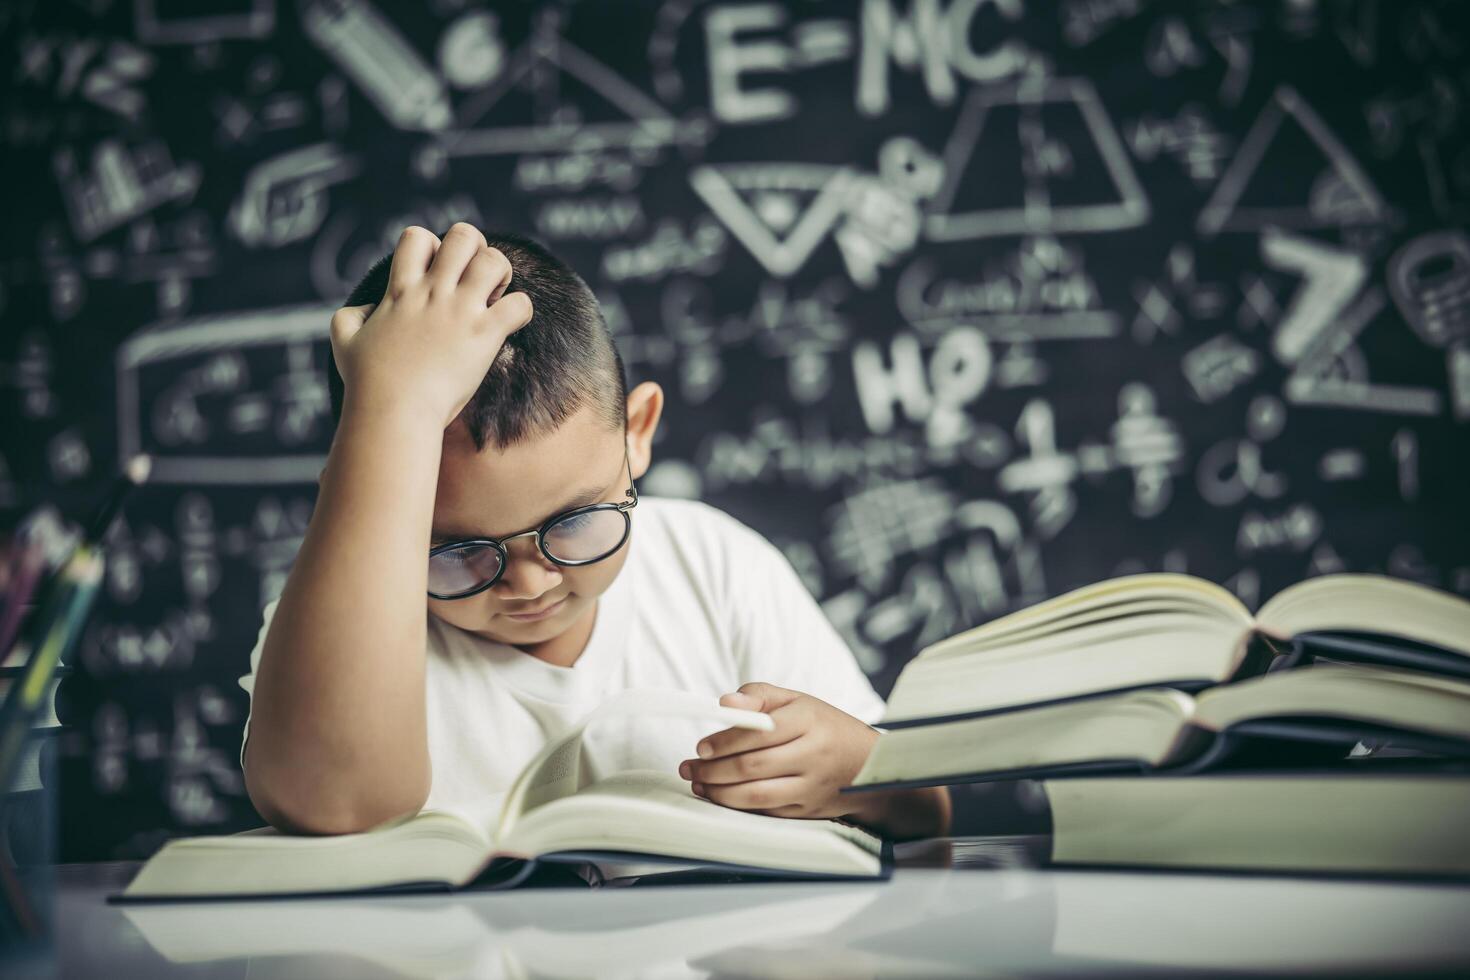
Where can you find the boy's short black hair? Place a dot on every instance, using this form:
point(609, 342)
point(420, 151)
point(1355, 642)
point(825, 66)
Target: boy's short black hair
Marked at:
point(560, 361)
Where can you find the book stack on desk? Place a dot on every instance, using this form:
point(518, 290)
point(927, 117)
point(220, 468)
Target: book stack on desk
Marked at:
point(1330, 732)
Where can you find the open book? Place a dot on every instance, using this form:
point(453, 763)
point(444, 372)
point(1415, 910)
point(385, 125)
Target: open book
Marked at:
point(555, 812)
point(1179, 631)
point(1311, 714)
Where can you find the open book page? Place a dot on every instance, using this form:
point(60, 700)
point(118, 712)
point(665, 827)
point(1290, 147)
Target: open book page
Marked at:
point(1132, 593)
point(1146, 725)
point(560, 768)
point(652, 812)
point(1166, 648)
point(1122, 631)
point(436, 846)
point(482, 812)
point(477, 815)
point(1376, 695)
point(1071, 629)
point(1373, 604)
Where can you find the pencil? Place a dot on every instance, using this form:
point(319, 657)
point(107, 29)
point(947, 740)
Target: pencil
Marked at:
point(134, 473)
point(55, 630)
point(34, 588)
point(29, 564)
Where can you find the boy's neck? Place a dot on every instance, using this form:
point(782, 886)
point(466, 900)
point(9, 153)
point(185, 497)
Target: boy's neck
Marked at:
point(566, 647)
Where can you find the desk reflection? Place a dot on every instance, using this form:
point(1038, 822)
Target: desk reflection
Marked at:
point(962, 907)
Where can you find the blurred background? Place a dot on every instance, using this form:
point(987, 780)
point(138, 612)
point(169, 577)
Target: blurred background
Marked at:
point(963, 304)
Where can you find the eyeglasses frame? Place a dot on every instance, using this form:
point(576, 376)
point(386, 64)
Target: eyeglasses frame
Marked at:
point(539, 532)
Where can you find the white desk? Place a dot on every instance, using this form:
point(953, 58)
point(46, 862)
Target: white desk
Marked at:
point(946, 919)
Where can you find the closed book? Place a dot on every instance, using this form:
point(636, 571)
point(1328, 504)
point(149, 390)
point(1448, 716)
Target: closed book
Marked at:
point(1391, 823)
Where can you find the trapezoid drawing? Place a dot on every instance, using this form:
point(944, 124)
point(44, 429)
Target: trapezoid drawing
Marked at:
point(1039, 156)
point(1291, 171)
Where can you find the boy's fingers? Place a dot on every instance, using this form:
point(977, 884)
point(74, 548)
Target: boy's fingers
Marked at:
point(510, 312)
point(775, 760)
point(761, 794)
point(347, 321)
point(460, 244)
point(733, 740)
point(416, 248)
point(487, 276)
point(792, 720)
point(767, 696)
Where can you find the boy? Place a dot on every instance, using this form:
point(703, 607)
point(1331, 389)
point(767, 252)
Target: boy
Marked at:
point(507, 454)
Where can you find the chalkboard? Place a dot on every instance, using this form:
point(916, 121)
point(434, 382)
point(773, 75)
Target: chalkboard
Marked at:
point(963, 303)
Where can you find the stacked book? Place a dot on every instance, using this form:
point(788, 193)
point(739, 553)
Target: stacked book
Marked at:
point(1170, 727)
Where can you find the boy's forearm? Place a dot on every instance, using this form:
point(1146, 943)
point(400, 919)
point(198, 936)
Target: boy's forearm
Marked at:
point(338, 737)
point(905, 814)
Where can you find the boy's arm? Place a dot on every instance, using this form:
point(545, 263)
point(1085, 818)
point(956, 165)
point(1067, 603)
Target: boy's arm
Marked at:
point(338, 736)
point(905, 814)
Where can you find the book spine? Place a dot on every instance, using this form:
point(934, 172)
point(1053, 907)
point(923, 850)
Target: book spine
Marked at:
point(1096, 767)
point(1379, 649)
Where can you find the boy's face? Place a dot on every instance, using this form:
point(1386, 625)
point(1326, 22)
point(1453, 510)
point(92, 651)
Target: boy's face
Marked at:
point(498, 492)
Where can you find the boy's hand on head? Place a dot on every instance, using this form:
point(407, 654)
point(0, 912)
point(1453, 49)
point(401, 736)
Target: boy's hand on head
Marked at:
point(442, 320)
point(794, 770)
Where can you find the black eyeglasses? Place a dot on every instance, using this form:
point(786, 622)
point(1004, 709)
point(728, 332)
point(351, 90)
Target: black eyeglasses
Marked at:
point(460, 569)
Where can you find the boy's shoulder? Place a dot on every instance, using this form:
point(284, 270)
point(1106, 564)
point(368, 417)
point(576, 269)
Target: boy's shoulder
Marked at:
point(685, 516)
point(695, 533)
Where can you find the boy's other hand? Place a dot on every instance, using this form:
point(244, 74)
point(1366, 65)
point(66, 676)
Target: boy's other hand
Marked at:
point(794, 770)
point(441, 322)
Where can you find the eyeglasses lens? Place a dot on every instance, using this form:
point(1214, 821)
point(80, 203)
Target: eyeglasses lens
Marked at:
point(584, 537)
point(462, 569)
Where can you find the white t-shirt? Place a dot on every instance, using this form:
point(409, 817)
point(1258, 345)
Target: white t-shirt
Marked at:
point(704, 603)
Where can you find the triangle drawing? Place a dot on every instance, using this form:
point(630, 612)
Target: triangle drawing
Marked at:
point(780, 212)
point(1266, 185)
